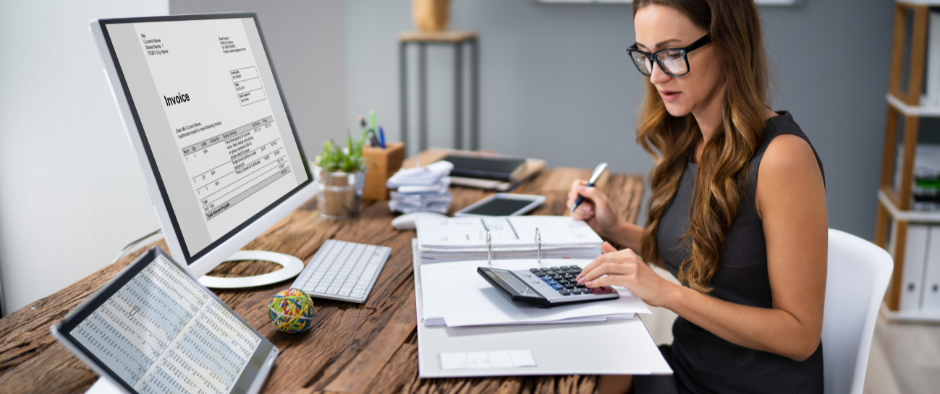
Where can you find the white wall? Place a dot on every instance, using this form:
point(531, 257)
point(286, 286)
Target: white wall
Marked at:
point(71, 192)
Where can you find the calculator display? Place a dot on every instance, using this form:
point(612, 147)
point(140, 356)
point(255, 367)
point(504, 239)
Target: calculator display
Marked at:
point(509, 280)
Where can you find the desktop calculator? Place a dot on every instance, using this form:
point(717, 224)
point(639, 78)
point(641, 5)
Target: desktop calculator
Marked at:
point(545, 287)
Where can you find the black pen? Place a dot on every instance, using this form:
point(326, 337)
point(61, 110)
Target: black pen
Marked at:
point(597, 174)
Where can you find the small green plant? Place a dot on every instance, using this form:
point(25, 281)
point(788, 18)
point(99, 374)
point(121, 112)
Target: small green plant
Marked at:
point(333, 158)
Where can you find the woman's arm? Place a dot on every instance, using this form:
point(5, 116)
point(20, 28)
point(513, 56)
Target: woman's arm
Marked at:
point(791, 201)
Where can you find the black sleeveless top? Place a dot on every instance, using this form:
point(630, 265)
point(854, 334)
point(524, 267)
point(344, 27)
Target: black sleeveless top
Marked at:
point(703, 362)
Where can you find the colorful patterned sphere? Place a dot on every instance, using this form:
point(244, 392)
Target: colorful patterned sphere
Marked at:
point(291, 311)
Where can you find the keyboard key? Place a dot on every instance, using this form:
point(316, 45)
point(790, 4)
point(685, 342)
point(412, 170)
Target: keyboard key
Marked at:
point(345, 291)
point(356, 293)
point(320, 290)
point(332, 290)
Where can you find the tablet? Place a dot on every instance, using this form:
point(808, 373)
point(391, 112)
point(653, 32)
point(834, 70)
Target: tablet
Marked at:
point(154, 329)
point(502, 204)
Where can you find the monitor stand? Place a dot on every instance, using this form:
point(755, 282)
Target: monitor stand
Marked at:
point(291, 267)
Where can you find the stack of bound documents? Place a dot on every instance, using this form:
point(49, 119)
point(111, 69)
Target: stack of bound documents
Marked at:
point(422, 189)
point(511, 237)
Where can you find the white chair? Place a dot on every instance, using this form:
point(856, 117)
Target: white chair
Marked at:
point(856, 281)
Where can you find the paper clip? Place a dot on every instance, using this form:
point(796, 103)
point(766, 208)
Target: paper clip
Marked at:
point(538, 241)
point(489, 248)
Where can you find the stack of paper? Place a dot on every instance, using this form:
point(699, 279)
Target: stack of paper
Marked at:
point(422, 189)
point(455, 295)
point(511, 237)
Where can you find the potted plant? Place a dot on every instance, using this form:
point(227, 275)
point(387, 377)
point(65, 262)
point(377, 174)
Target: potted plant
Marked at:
point(341, 174)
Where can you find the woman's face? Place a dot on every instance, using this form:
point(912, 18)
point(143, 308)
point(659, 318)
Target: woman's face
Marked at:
point(660, 27)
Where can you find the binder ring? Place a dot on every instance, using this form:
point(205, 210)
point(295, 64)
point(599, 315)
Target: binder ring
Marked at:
point(538, 241)
point(489, 248)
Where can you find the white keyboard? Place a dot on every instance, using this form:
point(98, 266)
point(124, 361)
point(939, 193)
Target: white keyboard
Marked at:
point(343, 271)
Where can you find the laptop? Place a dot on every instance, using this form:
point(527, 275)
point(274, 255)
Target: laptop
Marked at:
point(155, 329)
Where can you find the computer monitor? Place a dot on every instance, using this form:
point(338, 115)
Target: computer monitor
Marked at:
point(207, 117)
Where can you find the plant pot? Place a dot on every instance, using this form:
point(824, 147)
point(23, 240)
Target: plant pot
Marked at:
point(340, 193)
point(431, 15)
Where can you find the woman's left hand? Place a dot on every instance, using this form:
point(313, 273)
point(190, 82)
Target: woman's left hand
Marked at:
point(625, 268)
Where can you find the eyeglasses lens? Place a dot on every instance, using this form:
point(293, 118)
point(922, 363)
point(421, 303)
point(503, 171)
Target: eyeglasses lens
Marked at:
point(642, 63)
point(674, 62)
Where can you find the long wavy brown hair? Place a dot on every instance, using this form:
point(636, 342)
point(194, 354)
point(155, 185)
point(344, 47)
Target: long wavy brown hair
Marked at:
point(721, 177)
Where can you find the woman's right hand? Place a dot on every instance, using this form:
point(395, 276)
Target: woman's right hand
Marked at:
point(595, 210)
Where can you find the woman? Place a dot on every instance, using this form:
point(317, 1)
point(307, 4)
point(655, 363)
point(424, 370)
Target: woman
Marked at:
point(737, 212)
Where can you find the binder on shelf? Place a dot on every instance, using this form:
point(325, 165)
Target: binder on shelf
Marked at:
point(915, 254)
point(930, 300)
point(505, 237)
point(932, 92)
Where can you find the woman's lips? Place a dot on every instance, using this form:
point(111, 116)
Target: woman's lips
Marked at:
point(669, 95)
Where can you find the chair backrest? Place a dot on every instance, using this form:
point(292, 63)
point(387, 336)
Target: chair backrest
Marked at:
point(857, 277)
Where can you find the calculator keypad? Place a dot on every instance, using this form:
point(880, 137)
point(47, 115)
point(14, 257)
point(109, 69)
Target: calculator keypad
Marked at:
point(562, 279)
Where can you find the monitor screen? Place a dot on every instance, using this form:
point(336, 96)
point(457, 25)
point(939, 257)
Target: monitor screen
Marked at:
point(212, 120)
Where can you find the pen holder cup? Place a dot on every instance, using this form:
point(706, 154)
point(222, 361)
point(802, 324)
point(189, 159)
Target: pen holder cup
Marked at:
point(382, 164)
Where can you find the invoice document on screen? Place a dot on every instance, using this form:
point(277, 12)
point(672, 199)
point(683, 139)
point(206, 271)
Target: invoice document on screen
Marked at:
point(220, 114)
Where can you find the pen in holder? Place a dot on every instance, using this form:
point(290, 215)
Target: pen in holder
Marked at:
point(538, 241)
point(489, 248)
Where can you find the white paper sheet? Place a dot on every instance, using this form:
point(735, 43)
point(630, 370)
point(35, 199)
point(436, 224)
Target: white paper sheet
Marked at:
point(458, 294)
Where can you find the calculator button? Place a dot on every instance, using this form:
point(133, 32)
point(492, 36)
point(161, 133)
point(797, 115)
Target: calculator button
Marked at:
point(534, 269)
point(564, 292)
point(546, 278)
point(569, 286)
point(608, 290)
point(575, 290)
point(557, 287)
point(553, 268)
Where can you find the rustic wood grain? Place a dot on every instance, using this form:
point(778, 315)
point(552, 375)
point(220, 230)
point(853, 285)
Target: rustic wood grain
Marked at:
point(351, 348)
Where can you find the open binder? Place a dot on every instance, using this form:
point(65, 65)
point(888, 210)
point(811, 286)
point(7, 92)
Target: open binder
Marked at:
point(505, 237)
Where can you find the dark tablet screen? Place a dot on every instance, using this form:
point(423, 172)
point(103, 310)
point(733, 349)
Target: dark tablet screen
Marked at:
point(499, 207)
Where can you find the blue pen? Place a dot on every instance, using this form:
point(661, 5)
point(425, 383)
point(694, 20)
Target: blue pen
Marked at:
point(382, 136)
point(597, 174)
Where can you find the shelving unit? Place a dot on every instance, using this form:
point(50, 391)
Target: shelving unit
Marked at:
point(903, 102)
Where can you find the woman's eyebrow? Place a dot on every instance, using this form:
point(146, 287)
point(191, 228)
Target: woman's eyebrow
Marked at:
point(659, 45)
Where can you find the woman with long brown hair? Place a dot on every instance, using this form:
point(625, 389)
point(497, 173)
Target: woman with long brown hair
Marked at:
point(737, 212)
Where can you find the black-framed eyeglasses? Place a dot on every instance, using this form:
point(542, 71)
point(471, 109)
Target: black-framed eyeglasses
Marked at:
point(673, 61)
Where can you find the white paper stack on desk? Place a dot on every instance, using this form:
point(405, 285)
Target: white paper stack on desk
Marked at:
point(512, 237)
point(422, 189)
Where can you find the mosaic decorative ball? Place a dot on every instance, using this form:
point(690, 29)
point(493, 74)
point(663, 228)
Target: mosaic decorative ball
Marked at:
point(291, 311)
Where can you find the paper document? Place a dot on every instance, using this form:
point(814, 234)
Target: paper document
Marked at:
point(455, 294)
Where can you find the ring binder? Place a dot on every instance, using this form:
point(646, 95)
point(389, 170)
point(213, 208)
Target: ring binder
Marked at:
point(538, 241)
point(490, 238)
point(489, 248)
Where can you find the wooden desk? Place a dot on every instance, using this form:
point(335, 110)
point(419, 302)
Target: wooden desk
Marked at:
point(352, 348)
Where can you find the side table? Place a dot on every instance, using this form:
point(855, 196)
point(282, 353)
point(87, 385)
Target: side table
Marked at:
point(457, 39)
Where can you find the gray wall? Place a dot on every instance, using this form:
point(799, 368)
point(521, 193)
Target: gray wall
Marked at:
point(71, 191)
point(306, 41)
point(556, 83)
